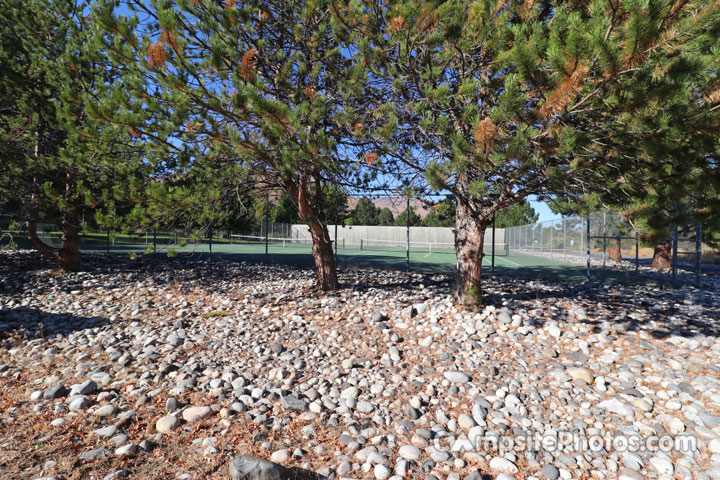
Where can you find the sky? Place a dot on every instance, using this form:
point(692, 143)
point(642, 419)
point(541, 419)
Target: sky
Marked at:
point(542, 209)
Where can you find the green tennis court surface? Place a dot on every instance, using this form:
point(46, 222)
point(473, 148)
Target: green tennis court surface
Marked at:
point(435, 258)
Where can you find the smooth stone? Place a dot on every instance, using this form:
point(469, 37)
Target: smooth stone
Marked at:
point(167, 423)
point(581, 373)
point(500, 464)
point(88, 387)
point(616, 406)
point(550, 472)
point(248, 467)
point(194, 414)
point(105, 411)
point(129, 449)
point(381, 471)
point(280, 456)
point(97, 453)
point(456, 377)
point(56, 391)
point(409, 452)
point(292, 402)
point(662, 465)
point(106, 432)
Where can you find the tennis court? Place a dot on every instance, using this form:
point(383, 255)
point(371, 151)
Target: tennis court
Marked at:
point(424, 257)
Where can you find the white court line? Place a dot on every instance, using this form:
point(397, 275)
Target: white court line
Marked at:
point(503, 259)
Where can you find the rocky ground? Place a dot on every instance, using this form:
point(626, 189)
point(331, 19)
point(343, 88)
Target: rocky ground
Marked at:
point(172, 368)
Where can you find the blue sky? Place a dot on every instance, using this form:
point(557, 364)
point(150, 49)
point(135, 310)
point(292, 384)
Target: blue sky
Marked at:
point(542, 209)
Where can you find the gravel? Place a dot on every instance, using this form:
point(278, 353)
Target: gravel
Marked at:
point(383, 377)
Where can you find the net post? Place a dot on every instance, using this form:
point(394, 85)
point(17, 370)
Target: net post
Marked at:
point(588, 247)
point(698, 252)
point(493, 245)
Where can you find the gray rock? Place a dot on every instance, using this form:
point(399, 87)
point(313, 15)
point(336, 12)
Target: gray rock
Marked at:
point(550, 472)
point(56, 391)
point(247, 467)
point(194, 414)
point(88, 387)
point(117, 474)
point(500, 464)
point(129, 449)
point(292, 402)
point(616, 406)
point(97, 453)
point(456, 377)
point(167, 423)
point(106, 432)
point(709, 420)
point(409, 452)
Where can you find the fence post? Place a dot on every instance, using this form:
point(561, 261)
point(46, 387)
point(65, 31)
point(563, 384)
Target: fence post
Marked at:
point(588, 247)
point(542, 245)
point(492, 269)
point(637, 251)
point(210, 235)
point(698, 252)
point(407, 218)
point(564, 239)
point(267, 213)
point(107, 242)
point(552, 227)
point(604, 230)
point(674, 253)
point(336, 228)
point(155, 240)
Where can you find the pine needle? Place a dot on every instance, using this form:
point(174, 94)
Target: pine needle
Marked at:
point(485, 132)
point(563, 94)
point(156, 54)
point(248, 64)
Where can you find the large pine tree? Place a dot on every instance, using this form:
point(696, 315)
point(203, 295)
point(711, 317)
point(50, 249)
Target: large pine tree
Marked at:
point(260, 83)
point(58, 162)
point(495, 101)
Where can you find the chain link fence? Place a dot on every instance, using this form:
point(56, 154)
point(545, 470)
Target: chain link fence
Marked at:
point(606, 240)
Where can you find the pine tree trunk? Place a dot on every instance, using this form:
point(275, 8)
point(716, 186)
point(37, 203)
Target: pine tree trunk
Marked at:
point(662, 257)
point(615, 252)
point(69, 254)
point(325, 268)
point(469, 240)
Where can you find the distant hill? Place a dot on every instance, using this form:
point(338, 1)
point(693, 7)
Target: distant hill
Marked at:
point(395, 204)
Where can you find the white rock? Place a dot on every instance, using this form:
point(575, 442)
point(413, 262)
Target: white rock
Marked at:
point(500, 464)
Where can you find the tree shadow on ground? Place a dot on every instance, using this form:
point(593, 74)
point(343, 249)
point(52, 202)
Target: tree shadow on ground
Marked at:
point(31, 323)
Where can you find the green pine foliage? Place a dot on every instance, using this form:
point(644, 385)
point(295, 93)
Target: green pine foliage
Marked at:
point(495, 101)
point(60, 162)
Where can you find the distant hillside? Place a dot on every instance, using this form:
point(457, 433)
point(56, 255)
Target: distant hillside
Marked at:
point(395, 204)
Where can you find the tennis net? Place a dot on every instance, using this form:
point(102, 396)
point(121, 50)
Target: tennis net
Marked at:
point(501, 249)
point(277, 242)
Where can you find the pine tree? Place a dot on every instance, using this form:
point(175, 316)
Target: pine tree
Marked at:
point(402, 218)
point(515, 215)
point(260, 83)
point(495, 101)
point(58, 161)
point(385, 217)
point(366, 213)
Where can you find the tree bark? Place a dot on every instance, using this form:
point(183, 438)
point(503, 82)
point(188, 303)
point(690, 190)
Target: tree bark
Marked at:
point(469, 240)
point(325, 267)
point(615, 252)
point(68, 257)
point(69, 254)
point(662, 257)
